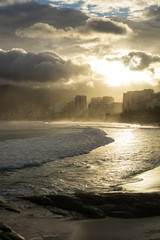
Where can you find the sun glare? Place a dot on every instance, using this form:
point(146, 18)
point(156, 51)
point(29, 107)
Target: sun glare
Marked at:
point(116, 74)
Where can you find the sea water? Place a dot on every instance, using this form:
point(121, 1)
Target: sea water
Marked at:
point(49, 157)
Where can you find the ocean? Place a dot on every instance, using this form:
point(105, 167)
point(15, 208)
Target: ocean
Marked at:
point(68, 157)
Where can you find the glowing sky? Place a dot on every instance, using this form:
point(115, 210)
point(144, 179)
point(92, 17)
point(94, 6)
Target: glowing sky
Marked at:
point(99, 47)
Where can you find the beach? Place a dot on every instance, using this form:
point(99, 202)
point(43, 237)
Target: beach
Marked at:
point(35, 222)
point(111, 191)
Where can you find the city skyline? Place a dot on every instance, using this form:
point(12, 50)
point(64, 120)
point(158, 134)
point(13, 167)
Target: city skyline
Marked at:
point(136, 106)
point(75, 47)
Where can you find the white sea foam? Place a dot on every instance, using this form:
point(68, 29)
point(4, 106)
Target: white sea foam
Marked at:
point(34, 151)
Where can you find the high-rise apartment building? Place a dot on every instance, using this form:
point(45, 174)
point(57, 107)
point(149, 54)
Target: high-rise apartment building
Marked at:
point(136, 100)
point(107, 100)
point(80, 102)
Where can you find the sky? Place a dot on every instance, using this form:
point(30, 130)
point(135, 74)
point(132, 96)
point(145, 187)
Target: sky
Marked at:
point(92, 47)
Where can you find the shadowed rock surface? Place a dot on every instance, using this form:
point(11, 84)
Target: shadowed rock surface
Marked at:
point(6, 233)
point(90, 205)
point(5, 206)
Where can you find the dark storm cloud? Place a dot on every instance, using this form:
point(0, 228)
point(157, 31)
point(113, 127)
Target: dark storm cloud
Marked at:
point(26, 14)
point(26, 26)
point(103, 25)
point(9, 2)
point(137, 61)
point(17, 65)
point(93, 26)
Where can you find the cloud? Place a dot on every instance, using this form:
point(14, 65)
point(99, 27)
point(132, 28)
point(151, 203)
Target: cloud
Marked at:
point(93, 28)
point(110, 6)
point(25, 15)
point(36, 27)
point(39, 27)
point(103, 25)
point(10, 2)
point(153, 13)
point(137, 60)
point(43, 30)
point(17, 66)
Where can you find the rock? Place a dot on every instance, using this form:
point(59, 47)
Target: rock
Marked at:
point(7, 207)
point(91, 205)
point(69, 203)
point(6, 233)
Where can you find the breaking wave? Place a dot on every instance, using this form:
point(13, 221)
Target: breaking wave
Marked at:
point(21, 153)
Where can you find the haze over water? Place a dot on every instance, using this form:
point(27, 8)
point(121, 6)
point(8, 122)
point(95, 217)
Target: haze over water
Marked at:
point(69, 157)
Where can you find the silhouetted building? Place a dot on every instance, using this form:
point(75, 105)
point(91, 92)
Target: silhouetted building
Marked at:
point(95, 103)
point(58, 107)
point(107, 100)
point(116, 108)
point(137, 100)
point(69, 109)
point(102, 107)
point(80, 103)
point(155, 101)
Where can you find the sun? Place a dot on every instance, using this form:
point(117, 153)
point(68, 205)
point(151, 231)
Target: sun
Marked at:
point(115, 73)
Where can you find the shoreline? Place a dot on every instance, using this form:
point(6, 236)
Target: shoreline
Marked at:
point(123, 215)
point(40, 222)
point(149, 182)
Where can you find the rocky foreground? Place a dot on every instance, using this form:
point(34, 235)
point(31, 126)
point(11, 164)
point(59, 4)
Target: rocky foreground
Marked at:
point(6, 233)
point(90, 205)
point(126, 206)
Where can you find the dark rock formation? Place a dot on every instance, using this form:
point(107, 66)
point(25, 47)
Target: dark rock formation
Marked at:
point(90, 205)
point(6, 233)
point(3, 205)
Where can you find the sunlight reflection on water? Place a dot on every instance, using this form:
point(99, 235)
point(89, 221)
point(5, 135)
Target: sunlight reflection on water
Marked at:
point(133, 151)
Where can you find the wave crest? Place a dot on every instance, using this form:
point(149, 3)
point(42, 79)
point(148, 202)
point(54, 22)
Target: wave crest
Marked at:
point(17, 154)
